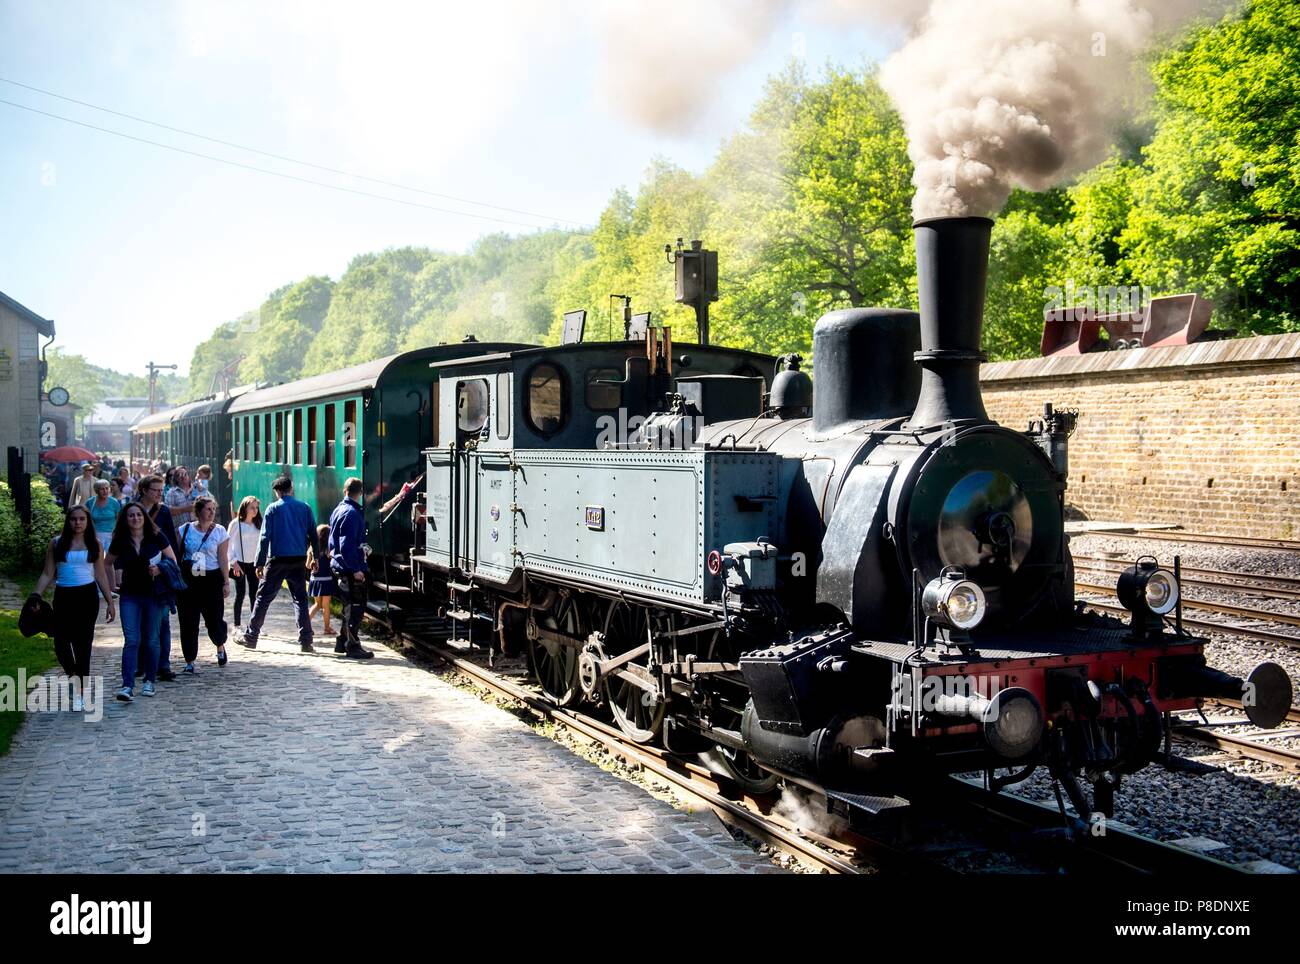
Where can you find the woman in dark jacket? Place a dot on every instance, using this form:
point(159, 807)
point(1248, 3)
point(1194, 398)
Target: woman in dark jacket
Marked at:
point(74, 564)
point(134, 551)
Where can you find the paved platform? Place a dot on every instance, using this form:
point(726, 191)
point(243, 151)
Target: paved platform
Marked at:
point(289, 762)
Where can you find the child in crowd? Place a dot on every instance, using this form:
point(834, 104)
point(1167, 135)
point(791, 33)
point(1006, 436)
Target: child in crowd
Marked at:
point(322, 586)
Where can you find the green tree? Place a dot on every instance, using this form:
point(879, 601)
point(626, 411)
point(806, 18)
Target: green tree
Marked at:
point(1216, 206)
point(84, 381)
point(816, 212)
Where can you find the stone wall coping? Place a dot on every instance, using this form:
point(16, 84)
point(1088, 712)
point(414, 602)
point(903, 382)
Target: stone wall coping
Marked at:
point(1228, 353)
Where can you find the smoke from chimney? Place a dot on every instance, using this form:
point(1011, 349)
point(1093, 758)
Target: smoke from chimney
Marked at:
point(1007, 93)
point(994, 94)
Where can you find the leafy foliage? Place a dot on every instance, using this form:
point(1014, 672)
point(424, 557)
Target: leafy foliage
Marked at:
point(808, 207)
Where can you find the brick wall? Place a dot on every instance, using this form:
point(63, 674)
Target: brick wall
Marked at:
point(1204, 435)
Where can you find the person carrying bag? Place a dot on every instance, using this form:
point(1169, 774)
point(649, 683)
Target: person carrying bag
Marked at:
point(206, 568)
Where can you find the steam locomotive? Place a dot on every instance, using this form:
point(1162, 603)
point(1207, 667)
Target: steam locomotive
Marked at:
point(855, 592)
point(851, 592)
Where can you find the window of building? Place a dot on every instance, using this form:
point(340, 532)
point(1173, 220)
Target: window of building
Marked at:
point(350, 434)
point(297, 436)
point(503, 405)
point(600, 396)
point(330, 433)
point(546, 398)
point(311, 435)
point(471, 405)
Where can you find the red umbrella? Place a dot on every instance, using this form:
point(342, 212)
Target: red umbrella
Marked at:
point(69, 453)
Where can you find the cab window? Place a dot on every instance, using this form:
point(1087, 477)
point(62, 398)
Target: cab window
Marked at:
point(471, 405)
point(546, 399)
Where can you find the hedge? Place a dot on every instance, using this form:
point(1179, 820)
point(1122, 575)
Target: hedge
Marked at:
point(24, 550)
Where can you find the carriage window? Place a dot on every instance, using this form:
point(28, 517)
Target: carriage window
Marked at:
point(266, 437)
point(279, 437)
point(503, 405)
point(350, 434)
point(546, 398)
point(604, 397)
point(297, 436)
point(311, 435)
point(471, 405)
point(330, 414)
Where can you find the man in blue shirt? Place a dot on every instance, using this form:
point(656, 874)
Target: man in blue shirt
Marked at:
point(348, 563)
point(288, 528)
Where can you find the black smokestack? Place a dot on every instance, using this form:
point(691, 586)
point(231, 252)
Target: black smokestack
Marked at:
point(952, 264)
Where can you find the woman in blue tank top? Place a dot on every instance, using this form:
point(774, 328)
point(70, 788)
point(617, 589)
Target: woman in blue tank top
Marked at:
point(74, 564)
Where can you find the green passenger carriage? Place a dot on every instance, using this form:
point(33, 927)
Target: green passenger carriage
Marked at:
point(371, 420)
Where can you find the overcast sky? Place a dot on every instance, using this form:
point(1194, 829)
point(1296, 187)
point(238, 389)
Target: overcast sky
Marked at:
point(138, 252)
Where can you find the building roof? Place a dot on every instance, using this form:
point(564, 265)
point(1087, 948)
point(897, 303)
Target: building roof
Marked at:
point(1236, 352)
point(44, 325)
point(110, 415)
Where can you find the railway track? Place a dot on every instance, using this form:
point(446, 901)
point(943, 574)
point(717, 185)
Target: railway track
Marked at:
point(1209, 626)
point(1255, 745)
point(1224, 609)
point(1219, 580)
point(1177, 535)
point(847, 853)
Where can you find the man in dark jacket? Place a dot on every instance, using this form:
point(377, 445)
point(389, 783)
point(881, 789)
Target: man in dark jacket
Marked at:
point(151, 497)
point(288, 528)
point(348, 563)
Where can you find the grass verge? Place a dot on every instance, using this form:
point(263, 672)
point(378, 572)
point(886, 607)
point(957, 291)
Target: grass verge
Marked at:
point(35, 655)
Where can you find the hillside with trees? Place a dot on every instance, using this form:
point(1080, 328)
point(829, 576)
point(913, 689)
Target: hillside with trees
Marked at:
point(808, 206)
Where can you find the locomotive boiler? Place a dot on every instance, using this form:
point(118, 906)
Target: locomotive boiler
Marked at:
point(852, 586)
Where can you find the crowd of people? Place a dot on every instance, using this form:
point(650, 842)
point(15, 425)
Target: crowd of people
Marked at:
point(152, 545)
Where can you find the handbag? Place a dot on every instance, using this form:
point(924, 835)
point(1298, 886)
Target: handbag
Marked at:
point(36, 617)
point(187, 563)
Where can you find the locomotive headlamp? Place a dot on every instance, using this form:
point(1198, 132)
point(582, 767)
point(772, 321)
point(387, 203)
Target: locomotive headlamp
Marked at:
point(1145, 587)
point(953, 600)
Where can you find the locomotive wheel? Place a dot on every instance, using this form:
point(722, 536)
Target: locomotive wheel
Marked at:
point(553, 664)
point(747, 774)
point(639, 714)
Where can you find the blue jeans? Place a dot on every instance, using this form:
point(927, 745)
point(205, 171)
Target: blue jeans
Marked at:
point(142, 618)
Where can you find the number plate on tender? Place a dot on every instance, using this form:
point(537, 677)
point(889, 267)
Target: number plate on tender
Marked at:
point(595, 517)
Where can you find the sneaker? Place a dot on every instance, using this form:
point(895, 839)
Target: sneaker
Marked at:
point(124, 694)
point(356, 652)
point(189, 668)
point(341, 644)
point(148, 689)
point(222, 658)
point(246, 642)
point(308, 648)
point(78, 705)
point(165, 676)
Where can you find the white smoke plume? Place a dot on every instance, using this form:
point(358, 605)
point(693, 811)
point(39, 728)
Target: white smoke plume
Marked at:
point(661, 62)
point(994, 94)
point(1007, 93)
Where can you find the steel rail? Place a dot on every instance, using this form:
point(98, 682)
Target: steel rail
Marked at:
point(1245, 612)
point(693, 781)
point(1129, 850)
point(1241, 745)
point(1206, 625)
point(1177, 535)
point(1278, 587)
